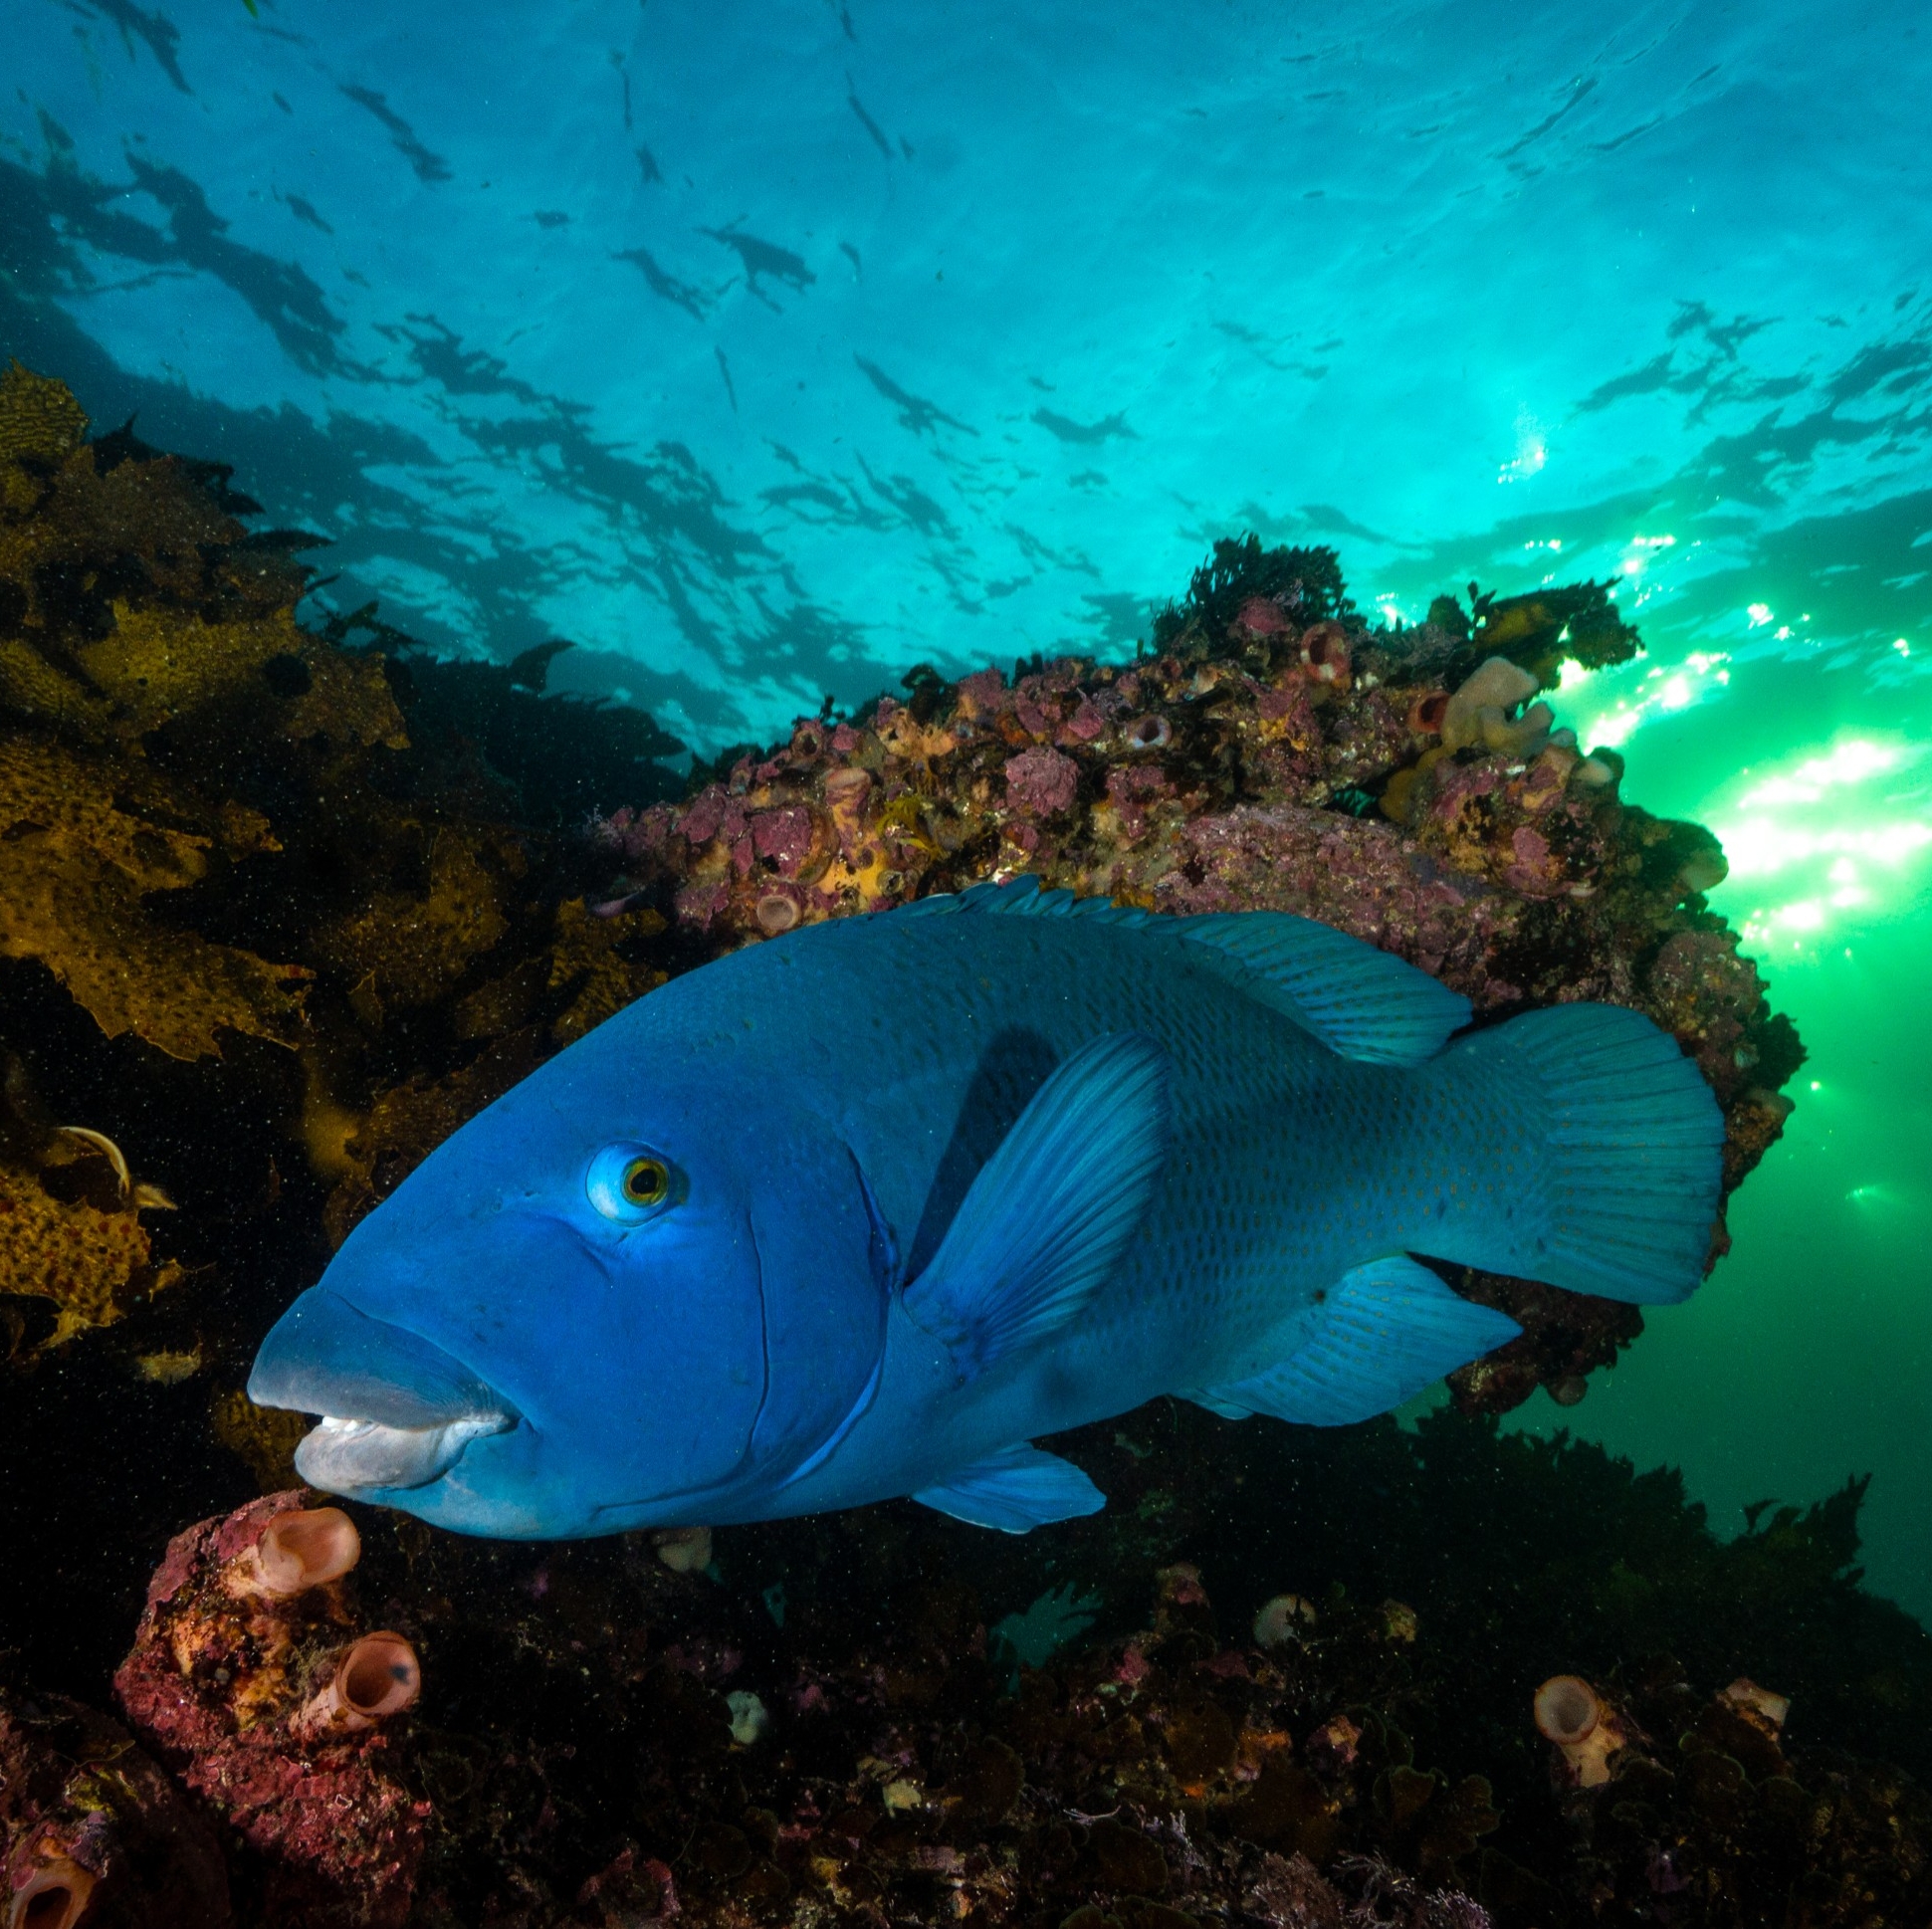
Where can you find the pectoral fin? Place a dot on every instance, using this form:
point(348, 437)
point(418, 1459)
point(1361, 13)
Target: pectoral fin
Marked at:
point(1385, 1332)
point(1016, 1490)
point(1053, 1209)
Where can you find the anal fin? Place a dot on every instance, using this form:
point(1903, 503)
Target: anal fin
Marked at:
point(1385, 1332)
point(1015, 1490)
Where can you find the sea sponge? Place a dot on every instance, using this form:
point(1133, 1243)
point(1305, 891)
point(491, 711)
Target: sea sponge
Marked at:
point(55, 1895)
point(1426, 712)
point(308, 1547)
point(1478, 715)
point(270, 1710)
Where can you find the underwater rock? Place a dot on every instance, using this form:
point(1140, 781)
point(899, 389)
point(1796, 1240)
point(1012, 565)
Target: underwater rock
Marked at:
point(249, 1679)
point(821, 1725)
point(93, 1833)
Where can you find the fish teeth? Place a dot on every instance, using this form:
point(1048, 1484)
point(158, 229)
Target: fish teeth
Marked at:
point(346, 1457)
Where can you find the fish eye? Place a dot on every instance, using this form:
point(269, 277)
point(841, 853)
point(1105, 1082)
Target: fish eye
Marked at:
point(629, 1185)
point(646, 1182)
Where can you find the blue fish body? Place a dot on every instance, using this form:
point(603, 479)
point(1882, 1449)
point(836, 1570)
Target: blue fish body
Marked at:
point(863, 1211)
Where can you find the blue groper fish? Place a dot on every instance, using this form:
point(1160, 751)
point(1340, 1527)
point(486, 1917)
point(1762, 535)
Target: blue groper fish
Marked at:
point(865, 1211)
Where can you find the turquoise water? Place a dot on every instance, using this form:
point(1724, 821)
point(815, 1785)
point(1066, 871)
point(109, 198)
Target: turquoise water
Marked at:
point(766, 351)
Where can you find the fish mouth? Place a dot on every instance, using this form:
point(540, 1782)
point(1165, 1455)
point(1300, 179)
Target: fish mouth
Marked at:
point(397, 1411)
point(349, 1456)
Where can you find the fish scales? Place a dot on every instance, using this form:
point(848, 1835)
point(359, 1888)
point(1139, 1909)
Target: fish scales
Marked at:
point(1280, 1146)
point(866, 1210)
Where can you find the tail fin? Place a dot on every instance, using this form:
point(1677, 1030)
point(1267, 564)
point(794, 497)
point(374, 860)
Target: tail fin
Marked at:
point(1630, 1163)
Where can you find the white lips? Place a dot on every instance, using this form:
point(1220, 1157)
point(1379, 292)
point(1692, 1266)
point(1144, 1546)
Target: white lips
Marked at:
point(346, 1457)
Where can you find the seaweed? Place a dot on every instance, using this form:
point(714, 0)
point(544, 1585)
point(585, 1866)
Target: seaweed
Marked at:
point(1538, 630)
point(1306, 584)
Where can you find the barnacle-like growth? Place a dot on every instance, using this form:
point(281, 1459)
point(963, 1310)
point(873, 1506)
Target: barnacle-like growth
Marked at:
point(56, 1895)
point(1583, 1729)
point(375, 1679)
point(303, 1549)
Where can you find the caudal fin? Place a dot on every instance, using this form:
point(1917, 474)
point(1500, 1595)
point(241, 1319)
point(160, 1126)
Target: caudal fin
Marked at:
point(1623, 1142)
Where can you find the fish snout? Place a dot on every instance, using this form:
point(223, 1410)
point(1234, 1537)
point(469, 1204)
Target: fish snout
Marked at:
point(396, 1410)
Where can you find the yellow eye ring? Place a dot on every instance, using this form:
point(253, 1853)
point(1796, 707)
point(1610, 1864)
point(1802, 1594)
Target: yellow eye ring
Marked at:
point(628, 1185)
point(646, 1182)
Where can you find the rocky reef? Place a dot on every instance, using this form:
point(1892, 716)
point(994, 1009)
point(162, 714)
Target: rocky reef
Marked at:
point(285, 901)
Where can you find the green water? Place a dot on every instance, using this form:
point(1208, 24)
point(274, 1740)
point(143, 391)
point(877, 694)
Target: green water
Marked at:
point(1808, 1355)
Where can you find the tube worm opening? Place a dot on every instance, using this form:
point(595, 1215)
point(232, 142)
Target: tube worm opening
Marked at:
point(1567, 1710)
point(309, 1547)
point(1426, 712)
point(379, 1677)
point(1586, 1730)
point(1325, 651)
point(298, 1551)
point(375, 1678)
point(56, 1897)
point(1153, 733)
point(777, 914)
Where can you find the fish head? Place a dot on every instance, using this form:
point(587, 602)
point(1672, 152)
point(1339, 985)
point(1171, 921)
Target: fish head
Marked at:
point(603, 1304)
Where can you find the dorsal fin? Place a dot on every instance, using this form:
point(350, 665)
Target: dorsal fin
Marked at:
point(1359, 1001)
point(1021, 897)
point(1362, 1002)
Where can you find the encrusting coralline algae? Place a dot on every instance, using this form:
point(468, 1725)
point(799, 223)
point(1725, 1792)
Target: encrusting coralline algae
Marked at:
point(284, 907)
